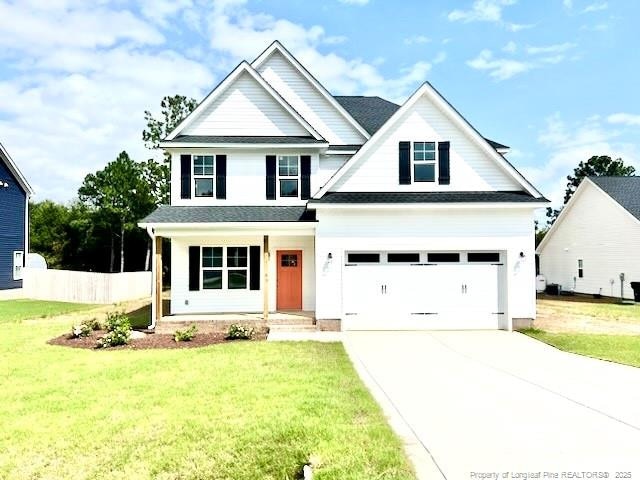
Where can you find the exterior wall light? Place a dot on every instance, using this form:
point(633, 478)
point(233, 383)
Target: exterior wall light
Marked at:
point(330, 256)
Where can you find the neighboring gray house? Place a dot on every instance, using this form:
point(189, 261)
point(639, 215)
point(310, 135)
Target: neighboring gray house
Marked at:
point(596, 238)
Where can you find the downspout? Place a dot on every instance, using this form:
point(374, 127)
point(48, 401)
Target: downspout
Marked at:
point(152, 325)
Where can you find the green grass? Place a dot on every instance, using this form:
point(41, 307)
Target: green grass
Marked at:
point(616, 348)
point(245, 410)
point(141, 317)
point(23, 309)
point(584, 306)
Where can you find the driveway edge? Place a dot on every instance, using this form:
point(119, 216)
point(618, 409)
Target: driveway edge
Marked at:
point(423, 462)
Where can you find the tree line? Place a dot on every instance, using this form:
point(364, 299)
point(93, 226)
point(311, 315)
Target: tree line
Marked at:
point(97, 231)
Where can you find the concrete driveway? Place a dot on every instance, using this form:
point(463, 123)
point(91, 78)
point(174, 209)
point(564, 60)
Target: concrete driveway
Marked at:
point(474, 404)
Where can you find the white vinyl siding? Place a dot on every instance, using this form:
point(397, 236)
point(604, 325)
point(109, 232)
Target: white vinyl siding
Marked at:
point(245, 108)
point(471, 168)
point(245, 179)
point(507, 231)
point(308, 101)
point(184, 301)
point(598, 231)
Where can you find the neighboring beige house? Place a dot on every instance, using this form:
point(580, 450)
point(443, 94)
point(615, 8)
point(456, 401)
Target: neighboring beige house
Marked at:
point(596, 238)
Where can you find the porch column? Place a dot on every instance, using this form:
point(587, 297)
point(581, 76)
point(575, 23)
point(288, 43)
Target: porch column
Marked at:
point(265, 282)
point(158, 280)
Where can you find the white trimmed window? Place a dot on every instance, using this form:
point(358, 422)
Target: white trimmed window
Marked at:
point(225, 268)
point(18, 263)
point(289, 176)
point(203, 175)
point(424, 161)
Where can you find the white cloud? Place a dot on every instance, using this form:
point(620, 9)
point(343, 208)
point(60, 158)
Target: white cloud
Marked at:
point(510, 47)
point(566, 145)
point(160, 11)
point(354, 2)
point(627, 119)
point(550, 49)
point(499, 68)
point(439, 58)
point(567, 3)
point(481, 11)
point(78, 97)
point(595, 7)
point(239, 33)
point(416, 39)
point(517, 27)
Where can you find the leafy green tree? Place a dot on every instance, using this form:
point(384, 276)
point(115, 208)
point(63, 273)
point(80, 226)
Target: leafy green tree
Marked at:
point(173, 110)
point(596, 166)
point(48, 231)
point(117, 196)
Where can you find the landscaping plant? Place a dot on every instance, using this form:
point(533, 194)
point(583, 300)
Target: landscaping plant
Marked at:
point(118, 330)
point(239, 332)
point(185, 335)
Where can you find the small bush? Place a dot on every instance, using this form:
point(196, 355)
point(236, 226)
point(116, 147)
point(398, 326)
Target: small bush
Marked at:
point(93, 324)
point(81, 330)
point(185, 335)
point(239, 332)
point(118, 330)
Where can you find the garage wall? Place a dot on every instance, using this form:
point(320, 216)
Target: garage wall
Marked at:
point(507, 230)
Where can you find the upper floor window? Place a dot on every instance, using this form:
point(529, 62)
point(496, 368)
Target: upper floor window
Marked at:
point(424, 161)
point(289, 175)
point(203, 166)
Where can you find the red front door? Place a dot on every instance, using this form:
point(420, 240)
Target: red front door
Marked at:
point(289, 278)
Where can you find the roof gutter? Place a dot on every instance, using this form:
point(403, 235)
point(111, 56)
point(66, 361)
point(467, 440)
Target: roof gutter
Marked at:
point(426, 206)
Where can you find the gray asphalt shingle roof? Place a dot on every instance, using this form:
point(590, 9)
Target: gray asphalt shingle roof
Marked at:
point(373, 112)
point(425, 197)
point(624, 190)
point(241, 139)
point(222, 214)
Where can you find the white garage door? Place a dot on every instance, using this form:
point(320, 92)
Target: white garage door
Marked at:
point(417, 294)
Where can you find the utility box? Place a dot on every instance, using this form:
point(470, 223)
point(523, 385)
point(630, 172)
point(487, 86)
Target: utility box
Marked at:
point(553, 289)
point(636, 291)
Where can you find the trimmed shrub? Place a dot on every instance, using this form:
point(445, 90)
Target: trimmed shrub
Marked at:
point(185, 335)
point(118, 330)
point(93, 324)
point(239, 332)
point(81, 330)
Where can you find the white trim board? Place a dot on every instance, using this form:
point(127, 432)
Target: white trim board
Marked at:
point(276, 46)
point(225, 84)
point(426, 89)
point(16, 171)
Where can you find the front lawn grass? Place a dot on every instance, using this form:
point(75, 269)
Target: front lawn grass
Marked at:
point(584, 306)
point(616, 348)
point(23, 309)
point(244, 410)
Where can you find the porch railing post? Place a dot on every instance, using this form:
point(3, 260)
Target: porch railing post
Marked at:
point(265, 283)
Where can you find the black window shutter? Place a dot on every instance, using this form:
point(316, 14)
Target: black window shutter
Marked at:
point(194, 268)
point(305, 177)
point(185, 176)
point(221, 176)
point(254, 267)
point(404, 163)
point(444, 174)
point(271, 177)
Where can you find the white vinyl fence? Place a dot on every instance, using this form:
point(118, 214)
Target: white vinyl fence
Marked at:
point(85, 287)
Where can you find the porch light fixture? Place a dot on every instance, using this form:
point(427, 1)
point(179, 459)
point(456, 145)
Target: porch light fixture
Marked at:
point(330, 256)
point(521, 254)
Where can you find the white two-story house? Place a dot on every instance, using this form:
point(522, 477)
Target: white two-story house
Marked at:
point(368, 214)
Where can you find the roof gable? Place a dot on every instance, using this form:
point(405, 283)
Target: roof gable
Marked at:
point(303, 91)
point(506, 176)
point(242, 104)
point(624, 190)
point(13, 168)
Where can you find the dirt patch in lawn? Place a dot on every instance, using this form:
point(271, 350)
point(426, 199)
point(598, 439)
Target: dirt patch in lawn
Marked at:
point(583, 314)
point(149, 341)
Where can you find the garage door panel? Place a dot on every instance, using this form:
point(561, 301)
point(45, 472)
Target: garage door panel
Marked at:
point(421, 297)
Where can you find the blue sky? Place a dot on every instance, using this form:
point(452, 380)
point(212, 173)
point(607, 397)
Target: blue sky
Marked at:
point(557, 80)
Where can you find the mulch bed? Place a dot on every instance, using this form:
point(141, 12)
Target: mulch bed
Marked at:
point(150, 341)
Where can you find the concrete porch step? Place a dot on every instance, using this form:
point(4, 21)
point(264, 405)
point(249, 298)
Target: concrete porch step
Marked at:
point(292, 328)
point(297, 320)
